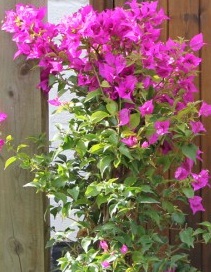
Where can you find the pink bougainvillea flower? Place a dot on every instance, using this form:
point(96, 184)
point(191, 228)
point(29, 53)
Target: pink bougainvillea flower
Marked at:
point(55, 102)
point(201, 180)
point(188, 165)
point(205, 109)
point(105, 264)
point(195, 204)
point(153, 138)
point(184, 170)
point(126, 87)
point(197, 127)
point(3, 116)
point(124, 117)
point(124, 249)
point(104, 245)
point(196, 42)
point(162, 127)
point(181, 173)
point(112, 66)
point(147, 108)
point(130, 141)
point(2, 142)
point(145, 144)
point(166, 147)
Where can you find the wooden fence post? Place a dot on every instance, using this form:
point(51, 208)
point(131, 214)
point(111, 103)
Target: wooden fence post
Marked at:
point(23, 230)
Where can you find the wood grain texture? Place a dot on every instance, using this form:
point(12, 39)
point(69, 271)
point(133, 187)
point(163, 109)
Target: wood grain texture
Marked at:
point(205, 23)
point(102, 5)
point(164, 29)
point(23, 230)
point(119, 3)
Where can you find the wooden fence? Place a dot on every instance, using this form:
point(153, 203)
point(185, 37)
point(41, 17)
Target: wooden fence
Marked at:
point(187, 18)
point(22, 230)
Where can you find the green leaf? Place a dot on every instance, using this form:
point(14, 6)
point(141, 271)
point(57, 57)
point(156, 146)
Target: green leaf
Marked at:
point(92, 190)
point(206, 237)
point(166, 162)
point(190, 151)
point(178, 218)
point(188, 192)
point(178, 257)
point(147, 200)
point(199, 231)
point(105, 163)
point(10, 161)
point(105, 84)
point(112, 107)
point(125, 151)
point(52, 79)
point(21, 146)
point(101, 199)
point(60, 196)
point(136, 256)
point(206, 224)
point(74, 192)
point(134, 120)
point(96, 148)
point(98, 116)
point(50, 243)
point(29, 184)
point(129, 181)
point(81, 147)
point(186, 236)
point(168, 206)
point(92, 95)
point(85, 243)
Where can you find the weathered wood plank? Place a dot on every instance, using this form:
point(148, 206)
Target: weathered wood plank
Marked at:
point(184, 22)
point(119, 3)
point(205, 16)
point(164, 32)
point(23, 230)
point(101, 5)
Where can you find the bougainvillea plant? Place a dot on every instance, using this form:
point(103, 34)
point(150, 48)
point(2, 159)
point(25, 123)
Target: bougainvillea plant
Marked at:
point(132, 117)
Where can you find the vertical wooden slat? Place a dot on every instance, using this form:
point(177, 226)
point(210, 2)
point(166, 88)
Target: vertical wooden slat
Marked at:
point(205, 12)
point(164, 33)
point(184, 22)
point(102, 5)
point(23, 230)
point(119, 3)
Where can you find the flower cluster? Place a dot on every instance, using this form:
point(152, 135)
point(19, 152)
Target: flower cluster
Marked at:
point(3, 116)
point(133, 117)
point(119, 52)
point(104, 245)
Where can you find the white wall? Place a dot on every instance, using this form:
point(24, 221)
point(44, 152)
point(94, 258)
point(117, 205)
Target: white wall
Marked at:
point(57, 9)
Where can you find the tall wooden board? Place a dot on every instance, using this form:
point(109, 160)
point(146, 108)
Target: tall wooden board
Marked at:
point(23, 230)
